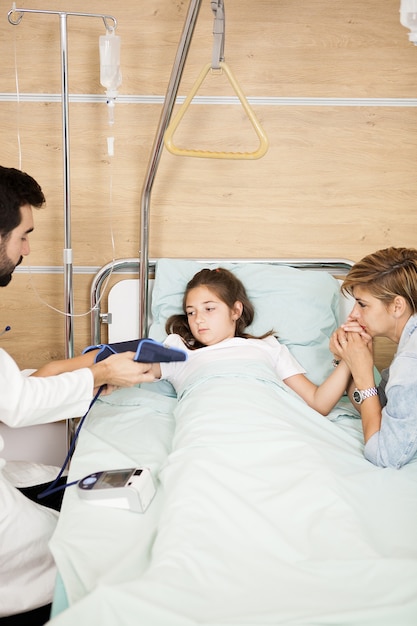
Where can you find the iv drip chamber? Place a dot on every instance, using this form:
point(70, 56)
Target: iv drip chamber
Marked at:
point(110, 74)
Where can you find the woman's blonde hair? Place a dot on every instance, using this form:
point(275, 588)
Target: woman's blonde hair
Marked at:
point(385, 274)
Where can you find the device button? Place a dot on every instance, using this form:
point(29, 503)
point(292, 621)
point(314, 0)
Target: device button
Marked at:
point(86, 482)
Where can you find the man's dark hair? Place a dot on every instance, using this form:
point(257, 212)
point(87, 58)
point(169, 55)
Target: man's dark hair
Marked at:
point(16, 190)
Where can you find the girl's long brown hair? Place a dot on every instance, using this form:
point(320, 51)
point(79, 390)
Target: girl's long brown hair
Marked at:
point(229, 289)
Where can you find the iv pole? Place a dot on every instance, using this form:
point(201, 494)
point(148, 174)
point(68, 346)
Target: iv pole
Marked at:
point(67, 261)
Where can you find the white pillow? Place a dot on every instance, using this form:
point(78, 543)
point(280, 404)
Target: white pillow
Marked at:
point(301, 306)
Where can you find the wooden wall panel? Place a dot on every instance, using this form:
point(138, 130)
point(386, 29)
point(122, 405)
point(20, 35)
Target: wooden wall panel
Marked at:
point(277, 47)
point(328, 82)
point(337, 179)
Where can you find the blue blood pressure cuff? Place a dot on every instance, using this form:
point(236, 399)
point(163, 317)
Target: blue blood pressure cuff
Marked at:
point(146, 351)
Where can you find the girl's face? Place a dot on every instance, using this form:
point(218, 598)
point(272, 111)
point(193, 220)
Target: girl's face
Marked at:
point(209, 318)
point(373, 315)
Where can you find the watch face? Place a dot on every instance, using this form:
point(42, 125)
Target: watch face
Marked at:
point(357, 396)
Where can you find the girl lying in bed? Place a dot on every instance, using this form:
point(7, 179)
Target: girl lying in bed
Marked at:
point(217, 312)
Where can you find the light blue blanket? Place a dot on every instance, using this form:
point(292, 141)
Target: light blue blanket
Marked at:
point(267, 513)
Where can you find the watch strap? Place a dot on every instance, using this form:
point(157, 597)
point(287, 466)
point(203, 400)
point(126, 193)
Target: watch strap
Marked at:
point(368, 393)
point(364, 394)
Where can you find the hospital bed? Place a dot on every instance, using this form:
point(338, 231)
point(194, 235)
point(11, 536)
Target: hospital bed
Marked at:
point(265, 511)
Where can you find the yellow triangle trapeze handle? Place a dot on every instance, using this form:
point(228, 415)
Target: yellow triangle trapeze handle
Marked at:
point(173, 125)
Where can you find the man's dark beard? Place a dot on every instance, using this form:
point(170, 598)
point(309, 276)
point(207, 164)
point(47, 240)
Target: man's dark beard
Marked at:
point(5, 279)
point(7, 269)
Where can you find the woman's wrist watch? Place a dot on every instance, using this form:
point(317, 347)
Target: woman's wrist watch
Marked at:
point(359, 395)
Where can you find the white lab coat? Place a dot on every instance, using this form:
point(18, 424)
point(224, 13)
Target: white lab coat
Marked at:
point(27, 570)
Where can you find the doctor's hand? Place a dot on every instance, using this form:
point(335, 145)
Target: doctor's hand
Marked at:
point(106, 390)
point(120, 370)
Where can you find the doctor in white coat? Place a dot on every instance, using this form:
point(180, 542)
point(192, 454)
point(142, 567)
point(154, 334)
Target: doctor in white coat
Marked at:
point(27, 571)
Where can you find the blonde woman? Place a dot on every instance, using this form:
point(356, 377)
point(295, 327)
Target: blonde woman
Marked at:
point(384, 285)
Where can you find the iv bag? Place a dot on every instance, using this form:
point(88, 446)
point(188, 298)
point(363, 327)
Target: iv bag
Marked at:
point(110, 75)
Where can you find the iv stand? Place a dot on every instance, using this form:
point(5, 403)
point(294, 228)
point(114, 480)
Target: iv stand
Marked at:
point(67, 261)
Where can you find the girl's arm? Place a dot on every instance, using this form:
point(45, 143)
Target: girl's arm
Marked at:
point(324, 397)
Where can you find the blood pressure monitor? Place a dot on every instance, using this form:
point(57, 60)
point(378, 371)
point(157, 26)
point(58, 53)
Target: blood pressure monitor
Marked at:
point(131, 488)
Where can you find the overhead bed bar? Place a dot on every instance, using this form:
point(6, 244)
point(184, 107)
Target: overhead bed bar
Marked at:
point(156, 152)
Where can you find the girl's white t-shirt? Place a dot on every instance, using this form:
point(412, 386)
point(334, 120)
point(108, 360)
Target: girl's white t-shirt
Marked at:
point(269, 351)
